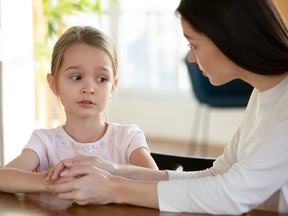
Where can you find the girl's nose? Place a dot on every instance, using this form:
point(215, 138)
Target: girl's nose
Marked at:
point(88, 91)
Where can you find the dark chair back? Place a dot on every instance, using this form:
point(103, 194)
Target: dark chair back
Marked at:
point(174, 162)
point(236, 93)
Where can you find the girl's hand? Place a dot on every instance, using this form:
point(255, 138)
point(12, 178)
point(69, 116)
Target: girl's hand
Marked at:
point(53, 174)
point(91, 161)
point(56, 172)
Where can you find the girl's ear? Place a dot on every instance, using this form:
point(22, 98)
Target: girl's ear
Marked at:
point(115, 83)
point(51, 82)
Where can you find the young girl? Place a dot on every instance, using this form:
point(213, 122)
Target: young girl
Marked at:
point(83, 76)
point(229, 39)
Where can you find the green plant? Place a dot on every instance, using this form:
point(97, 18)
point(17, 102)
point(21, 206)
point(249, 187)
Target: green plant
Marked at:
point(55, 11)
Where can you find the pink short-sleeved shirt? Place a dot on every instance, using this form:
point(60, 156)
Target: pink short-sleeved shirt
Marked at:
point(54, 145)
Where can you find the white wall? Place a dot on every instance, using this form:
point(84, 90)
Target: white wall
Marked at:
point(16, 55)
point(171, 116)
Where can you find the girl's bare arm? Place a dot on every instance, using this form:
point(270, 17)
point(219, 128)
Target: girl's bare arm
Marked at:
point(13, 180)
point(18, 175)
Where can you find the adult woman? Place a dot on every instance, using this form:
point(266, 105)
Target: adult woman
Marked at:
point(229, 39)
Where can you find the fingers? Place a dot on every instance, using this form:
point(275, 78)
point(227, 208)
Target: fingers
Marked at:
point(67, 195)
point(68, 188)
point(80, 160)
point(60, 187)
point(91, 161)
point(54, 174)
point(76, 171)
point(69, 167)
point(81, 192)
point(75, 195)
point(82, 184)
point(45, 173)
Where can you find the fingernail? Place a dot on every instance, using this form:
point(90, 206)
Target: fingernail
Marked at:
point(64, 173)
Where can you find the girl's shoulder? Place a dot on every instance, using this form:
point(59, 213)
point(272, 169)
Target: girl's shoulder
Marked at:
point(123, 128)
point(44, 133)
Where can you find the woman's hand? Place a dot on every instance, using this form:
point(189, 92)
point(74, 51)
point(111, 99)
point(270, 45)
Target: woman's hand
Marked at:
point(126, 171)
point(92, 186)
point(92, 180)
point(56, 172)
point(98, 186)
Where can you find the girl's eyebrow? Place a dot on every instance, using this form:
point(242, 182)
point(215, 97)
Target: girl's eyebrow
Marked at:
point(108, 69)
point(102, 68)
point(71, 67)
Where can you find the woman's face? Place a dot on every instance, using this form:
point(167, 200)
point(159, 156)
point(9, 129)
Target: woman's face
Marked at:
point(213, 63)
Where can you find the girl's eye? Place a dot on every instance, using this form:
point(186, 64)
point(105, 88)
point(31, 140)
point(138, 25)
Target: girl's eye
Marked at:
point(101, 79)
point(75, 77)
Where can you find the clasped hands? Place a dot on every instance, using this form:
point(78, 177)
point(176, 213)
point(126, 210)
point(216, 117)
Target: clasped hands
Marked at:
point(83, 180)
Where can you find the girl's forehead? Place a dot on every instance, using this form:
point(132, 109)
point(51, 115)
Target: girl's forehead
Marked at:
point(86, 57)
point(84, 50)
point(80, 47)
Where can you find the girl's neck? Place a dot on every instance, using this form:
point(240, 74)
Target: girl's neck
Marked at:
point(86, 131)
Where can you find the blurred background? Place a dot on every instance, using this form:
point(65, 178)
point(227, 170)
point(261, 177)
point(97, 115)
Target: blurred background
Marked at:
point(154, 88)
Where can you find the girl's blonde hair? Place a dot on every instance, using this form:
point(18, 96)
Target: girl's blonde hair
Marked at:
point(83, 35)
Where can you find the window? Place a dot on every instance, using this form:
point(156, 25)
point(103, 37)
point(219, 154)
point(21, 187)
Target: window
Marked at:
point(150, 45)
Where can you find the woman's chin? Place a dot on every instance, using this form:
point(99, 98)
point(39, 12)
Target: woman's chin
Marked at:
point(215, 83)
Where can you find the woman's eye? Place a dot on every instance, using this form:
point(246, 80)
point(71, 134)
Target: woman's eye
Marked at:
point(75, 77)
point(190, 46)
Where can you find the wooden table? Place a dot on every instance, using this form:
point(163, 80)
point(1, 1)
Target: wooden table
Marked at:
point(48, 204)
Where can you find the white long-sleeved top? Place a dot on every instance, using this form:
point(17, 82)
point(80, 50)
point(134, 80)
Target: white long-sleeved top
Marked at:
point(251, 173)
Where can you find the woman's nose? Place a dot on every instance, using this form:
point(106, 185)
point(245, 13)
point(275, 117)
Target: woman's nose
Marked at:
point(88, 90)
point(192, 57)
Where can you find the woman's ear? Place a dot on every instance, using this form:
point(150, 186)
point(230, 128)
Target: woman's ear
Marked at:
point(52, 83)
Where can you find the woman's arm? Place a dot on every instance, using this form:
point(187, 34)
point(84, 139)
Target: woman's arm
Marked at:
point(106, 187)
point(126, 171)
point(140, 193)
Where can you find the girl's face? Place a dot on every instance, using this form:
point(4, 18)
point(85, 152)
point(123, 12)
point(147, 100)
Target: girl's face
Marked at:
point(214, 64)
point(85, 82)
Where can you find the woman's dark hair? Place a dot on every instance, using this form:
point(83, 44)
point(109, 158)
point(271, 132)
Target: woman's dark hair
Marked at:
point(251, 33)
